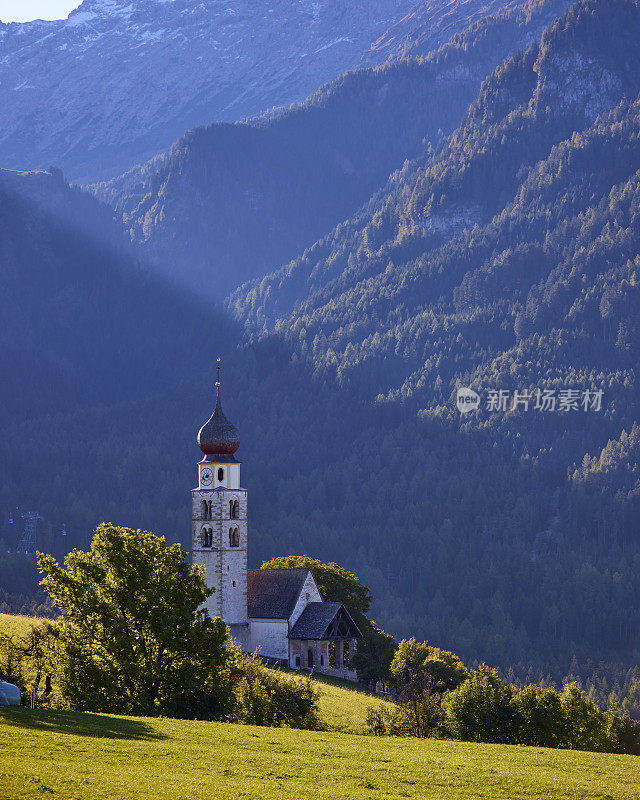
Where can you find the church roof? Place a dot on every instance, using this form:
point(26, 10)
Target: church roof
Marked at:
point(273, 593)
point(325, 621)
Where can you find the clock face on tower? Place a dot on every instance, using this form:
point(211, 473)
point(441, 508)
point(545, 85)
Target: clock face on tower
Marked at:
point(206, 477)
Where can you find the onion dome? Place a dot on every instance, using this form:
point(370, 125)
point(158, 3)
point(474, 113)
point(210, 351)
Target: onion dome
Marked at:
point(218, 436)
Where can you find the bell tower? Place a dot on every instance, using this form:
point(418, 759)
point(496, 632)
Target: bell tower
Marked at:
point(219, 521)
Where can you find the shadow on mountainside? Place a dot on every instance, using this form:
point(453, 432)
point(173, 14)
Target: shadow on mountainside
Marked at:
point(79, 724)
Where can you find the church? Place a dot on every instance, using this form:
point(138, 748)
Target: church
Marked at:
point(278, 613)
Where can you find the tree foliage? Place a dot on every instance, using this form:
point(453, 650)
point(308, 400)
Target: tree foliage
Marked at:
point(268, 697)
point(439, 697)
point(374, 654)
point(133, 635)
point(421, 674)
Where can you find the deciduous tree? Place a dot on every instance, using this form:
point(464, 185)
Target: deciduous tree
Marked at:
point(133, 635)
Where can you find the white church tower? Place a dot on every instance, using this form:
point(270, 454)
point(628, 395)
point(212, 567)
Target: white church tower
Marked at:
point(219, 522)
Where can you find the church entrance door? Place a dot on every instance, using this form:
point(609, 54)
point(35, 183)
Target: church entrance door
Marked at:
point(310, 658)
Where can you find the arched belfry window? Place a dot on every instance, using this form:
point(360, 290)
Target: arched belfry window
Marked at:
point(234, 537)
point(234, 509)
point(207, 537)
point(207, 509)
point(220, 474)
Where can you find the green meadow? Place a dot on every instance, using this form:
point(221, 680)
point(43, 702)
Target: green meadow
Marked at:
point(344, 709)
point(17, 625)
point(74, 756)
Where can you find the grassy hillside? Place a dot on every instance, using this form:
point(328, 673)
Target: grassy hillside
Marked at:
point(342, 707)
point(16, 624)
point(86, 756)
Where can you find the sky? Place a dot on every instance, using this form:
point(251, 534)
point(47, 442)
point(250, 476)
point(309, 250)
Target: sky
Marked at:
point(26, 10)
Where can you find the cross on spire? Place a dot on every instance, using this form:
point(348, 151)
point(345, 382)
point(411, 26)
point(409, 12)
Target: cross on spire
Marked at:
point(218, 378)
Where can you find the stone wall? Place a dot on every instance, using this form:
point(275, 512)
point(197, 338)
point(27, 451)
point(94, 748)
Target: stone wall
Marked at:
point(226, 565)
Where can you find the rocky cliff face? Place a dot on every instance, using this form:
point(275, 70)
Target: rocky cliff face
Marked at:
point(119, 81)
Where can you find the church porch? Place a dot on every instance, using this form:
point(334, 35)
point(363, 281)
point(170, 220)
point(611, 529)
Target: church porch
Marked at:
point(324, 639)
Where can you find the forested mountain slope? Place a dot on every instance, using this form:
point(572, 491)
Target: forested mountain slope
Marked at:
point(232, 202)
point(506, 260)
point(69, 282)
point(429, 25)
point(118, 82)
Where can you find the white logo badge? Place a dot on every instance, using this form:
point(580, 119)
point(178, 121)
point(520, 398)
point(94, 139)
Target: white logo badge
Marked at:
point(467, 400)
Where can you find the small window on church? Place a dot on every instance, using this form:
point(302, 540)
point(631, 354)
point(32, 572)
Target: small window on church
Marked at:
point(297, 661)
point(220, 474)
point(234, 584)
point(308, 597)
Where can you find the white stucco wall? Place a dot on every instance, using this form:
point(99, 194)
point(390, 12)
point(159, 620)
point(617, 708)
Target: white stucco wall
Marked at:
point(233, 479)
point(269, 637)
point(309, 588)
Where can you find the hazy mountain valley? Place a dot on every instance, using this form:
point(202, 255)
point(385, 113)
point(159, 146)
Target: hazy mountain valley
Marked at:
point(291, 177)
point(464, 217)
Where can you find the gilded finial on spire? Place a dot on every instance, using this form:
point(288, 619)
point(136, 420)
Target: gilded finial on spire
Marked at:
point(218, 379)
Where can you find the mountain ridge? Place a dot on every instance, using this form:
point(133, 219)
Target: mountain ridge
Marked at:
point(164, 68)
point(292, 176)
point(429, 25)
point(464, 181)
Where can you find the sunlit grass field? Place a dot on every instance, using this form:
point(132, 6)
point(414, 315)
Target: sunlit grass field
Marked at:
point(345, 709)
point(17, 625)
point(75, 756)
